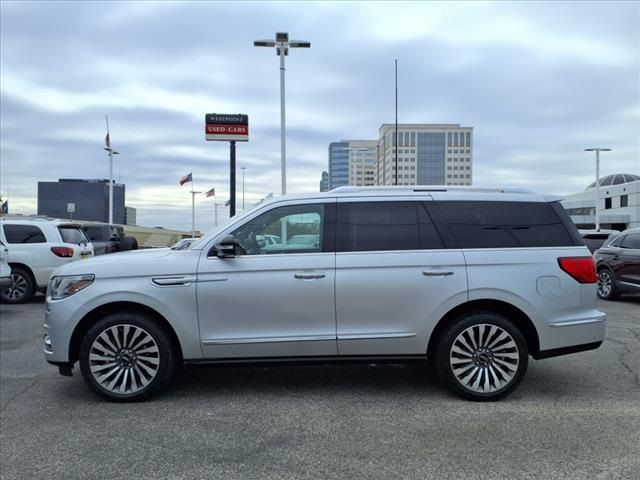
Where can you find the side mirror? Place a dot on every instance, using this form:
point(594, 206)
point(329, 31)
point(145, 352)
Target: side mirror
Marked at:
point(225, 247)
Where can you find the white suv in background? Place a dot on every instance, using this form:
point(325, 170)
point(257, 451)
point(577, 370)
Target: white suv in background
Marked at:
point(37, 247)
point(476, 280)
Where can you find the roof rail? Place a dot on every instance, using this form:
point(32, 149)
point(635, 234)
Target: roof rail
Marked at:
point(429, 188)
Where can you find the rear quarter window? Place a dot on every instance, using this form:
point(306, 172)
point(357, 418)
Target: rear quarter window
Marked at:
point(506, 224)
point(23, 234)
point(72, 235)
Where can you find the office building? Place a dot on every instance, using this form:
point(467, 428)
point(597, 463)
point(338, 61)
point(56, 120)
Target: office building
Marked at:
point(427, 154)
point(619, 203)
point(324, 183)
point(338, 164)
point(90, 199)
point(352, 162)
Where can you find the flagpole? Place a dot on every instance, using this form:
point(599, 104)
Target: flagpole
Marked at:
point(193, 210)
point(110, 175)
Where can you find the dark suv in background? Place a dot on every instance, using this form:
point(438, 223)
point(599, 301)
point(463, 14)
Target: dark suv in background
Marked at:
point(109, 238)
point(618, 265)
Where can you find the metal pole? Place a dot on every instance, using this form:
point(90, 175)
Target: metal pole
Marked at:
point(396, 182)
point(283, 135)
point(110, 187)
point(598, 190)
point(215, 212)
point(193, 211)
point(232, 179)
point(243, 169)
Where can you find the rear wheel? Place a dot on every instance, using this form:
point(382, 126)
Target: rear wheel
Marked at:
point(607, 289)
point(127, 357)
point(21, 289)
point(482, 356)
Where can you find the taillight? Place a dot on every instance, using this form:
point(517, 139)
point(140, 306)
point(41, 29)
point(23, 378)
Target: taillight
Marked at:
point(583, 269)
point(64, 252)
point(108, 249)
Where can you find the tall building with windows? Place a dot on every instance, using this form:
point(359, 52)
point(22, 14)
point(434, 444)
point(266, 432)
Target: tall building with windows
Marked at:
point(352, 162)
point(324, 183)
point(428, 154)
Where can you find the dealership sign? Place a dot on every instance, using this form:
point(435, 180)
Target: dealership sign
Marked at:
point(227, 127)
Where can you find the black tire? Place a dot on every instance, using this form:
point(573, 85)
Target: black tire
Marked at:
point(607, 289)
point(128, 242)
point(150, 350)
point(21, 289)
point(499, 365)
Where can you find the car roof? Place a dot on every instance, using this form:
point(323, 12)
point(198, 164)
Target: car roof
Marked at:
point(39, 220)
point(437, 192)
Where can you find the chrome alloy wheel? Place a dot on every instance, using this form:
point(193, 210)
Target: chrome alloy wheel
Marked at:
point(18, 287)
point(605, 284)
point(124, 359)
point(484, 358)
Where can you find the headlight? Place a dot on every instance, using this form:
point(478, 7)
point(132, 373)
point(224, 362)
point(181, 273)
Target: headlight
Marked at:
point(62, 287)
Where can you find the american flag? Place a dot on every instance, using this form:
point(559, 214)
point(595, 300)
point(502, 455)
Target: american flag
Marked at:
point(210, 193)
point(227, 203)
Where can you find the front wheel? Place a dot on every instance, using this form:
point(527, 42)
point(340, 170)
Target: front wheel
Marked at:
point(482, 357)
point(126, 357)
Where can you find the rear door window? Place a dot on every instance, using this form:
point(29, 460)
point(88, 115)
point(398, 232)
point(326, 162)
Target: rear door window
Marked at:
point(385, 226)
point(72, 235)
point(505, 224)
point(23, 234)
point(94, 233)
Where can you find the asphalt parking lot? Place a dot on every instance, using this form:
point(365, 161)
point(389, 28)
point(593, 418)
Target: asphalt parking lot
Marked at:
point(573, 417)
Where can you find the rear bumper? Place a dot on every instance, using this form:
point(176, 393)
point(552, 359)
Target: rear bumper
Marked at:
point(572, 333)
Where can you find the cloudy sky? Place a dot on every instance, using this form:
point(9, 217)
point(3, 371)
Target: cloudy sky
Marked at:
point(538, 81)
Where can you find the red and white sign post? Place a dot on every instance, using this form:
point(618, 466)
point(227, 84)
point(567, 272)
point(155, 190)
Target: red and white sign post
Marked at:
point(228, 128)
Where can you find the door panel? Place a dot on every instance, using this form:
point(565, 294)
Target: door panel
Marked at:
point(385, 301)
point(256, 306)
point(392, 277)
point(276, 297)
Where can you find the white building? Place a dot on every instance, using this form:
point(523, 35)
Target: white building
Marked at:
point(427, 154)
point(619, 203)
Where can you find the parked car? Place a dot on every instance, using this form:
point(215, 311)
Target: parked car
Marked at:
point(36, 248)
point(474, 280)
point(183, 244)
point(5, 269)
point(594, 239)
point(618, 265)
point(109, 238)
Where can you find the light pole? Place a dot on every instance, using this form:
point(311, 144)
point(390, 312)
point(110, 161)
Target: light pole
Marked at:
point(597, 150)
point(282, 45)
point(112, 152)
point(243, 169)
point(193, 211)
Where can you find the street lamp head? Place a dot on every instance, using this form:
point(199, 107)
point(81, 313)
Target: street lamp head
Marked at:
point(115, 153)
point(299, 44)
point(264, 43)
point(597, 149)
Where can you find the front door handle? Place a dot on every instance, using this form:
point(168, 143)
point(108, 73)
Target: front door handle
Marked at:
point(309, 276)
point(437, 273)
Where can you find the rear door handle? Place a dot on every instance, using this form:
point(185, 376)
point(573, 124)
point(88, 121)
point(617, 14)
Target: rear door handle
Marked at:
point(437, 273)
point(309, 276)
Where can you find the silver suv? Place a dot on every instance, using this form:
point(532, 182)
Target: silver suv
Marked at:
point(475, 280)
